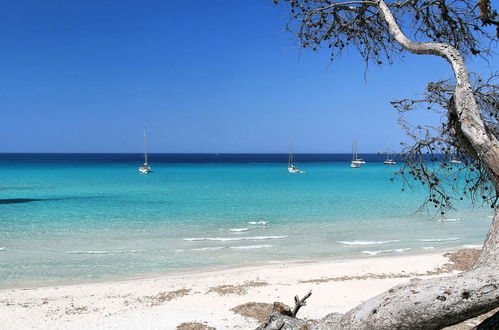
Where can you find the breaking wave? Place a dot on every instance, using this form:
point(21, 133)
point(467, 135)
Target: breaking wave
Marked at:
point(238, 230)
point(257, 222)
point(368, 242)
point(209, 248)
point(440, 239)
point(452, 220)
point(243, 247)
point(472, 246)
point(227, 239)
point(105, 252)
point(372, 253)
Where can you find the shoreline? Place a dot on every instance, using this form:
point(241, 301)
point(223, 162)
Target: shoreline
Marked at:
point(216, 297)
point(186, 271)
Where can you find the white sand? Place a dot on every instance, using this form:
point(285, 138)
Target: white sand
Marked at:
point(138, 303)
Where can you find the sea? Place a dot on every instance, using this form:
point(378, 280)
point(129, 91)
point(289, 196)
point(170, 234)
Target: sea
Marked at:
point(73, 217)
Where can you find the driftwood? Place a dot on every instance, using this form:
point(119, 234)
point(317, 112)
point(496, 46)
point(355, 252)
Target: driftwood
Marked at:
point(491, 323)
point(299, 303)
point(433, 303)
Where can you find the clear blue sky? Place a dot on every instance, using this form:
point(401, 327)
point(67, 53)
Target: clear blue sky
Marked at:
point(203, 76)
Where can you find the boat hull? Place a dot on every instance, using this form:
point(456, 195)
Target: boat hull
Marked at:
point(145, 170)
point(295, 170)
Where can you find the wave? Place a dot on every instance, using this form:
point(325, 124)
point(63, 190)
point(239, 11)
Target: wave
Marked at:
point(367, 242)
point(472, 246)
point(208, 248)
point(2, 248)
point(452, 220)
point(105, 252)
point(257, 222)
point(238, 230)
point(428, 247)
point(226, 239)
point(440, 239)
point(385, 251)
point(243, 247)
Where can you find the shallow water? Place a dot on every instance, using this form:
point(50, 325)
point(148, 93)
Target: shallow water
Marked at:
point(94, 216)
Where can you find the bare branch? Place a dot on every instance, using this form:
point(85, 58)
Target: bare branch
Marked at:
point(299, 303)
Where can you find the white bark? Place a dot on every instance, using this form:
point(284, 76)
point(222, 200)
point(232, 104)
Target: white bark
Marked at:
point(472, 125)
point(444, 301)
point(430, 304)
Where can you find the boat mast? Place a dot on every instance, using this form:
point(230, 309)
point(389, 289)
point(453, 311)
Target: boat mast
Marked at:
point(290, 158)
point(354, 150)
point(145, 146)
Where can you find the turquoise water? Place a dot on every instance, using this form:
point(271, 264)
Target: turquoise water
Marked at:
point(100, 218)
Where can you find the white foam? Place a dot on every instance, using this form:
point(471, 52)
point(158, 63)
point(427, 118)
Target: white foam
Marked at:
point(105, 252)
point(472, 246)
point(227, 239)
point(238, 230)
point(257, 222)
point(440, 239)
point(373, 253)
point(2, 248)
point(368, 242)
point(209, 248)
point(428, 247)
point(243, 247)
point(452, 219)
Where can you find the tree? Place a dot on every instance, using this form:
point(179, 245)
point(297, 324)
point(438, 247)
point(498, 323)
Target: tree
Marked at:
point(451, 29)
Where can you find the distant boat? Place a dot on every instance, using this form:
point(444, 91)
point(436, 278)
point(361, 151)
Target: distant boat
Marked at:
point(356, 161)
point(145, 169)
point(291, 165)
point(389, 161)
point(455, 161)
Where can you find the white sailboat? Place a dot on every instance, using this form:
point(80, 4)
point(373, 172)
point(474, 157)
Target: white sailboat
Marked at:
point(291, 165)
point(356, 161)
point(389, 161)
point(145, 169)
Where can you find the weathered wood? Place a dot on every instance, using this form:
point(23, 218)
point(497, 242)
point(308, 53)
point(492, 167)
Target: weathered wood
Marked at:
point(491, 323)
point(438, 302)
point(299, 303)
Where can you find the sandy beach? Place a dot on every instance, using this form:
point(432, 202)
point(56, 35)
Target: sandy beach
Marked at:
point(215, 297)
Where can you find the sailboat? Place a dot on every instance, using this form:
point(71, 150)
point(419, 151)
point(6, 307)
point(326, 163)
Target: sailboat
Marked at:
point(145, 169)
point(291, 165)
point(356, 161)
point(389, 161)
point(455, 161)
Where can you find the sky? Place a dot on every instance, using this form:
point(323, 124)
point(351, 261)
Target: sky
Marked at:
point(203, 76)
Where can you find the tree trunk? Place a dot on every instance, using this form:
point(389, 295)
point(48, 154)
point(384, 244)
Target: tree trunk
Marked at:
point(438, 302)
point(434, 303)
point(484, 143)
point(427, 304)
